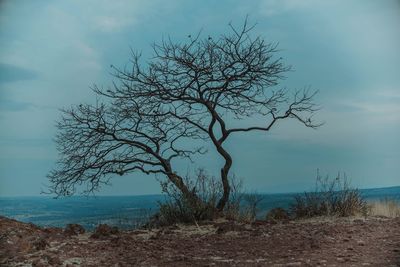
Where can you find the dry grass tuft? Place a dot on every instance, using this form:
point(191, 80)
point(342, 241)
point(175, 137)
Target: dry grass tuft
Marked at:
point(332, 197)
point(386, 207)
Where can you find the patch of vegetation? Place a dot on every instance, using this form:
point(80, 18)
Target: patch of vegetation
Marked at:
point(177, 208)
point(331, 197)
point(277, 215)
point(386, 208)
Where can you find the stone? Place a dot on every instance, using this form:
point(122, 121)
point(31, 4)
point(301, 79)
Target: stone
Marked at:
point(104, 230)
point(74, 229)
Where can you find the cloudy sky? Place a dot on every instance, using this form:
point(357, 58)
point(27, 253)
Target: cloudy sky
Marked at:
point(52, 51)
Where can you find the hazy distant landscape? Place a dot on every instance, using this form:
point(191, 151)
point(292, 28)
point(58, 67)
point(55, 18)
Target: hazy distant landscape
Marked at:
point(127, 212)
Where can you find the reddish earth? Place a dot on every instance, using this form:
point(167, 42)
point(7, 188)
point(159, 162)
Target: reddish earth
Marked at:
point(318, 242)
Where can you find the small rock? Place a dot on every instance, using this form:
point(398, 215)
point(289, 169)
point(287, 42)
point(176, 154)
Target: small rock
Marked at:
point(229, 227)
point(340, 259)
point(74, 229)
point(361, 243)
point(297, 263)
point(104, 230)
point(41, 244)
point(38, 263)
point(54, 261)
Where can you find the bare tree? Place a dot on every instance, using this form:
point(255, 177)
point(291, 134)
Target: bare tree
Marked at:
point(96, 141)
point(190, 90)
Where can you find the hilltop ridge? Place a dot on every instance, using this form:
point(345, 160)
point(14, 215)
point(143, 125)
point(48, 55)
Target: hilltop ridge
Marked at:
point(323, 242)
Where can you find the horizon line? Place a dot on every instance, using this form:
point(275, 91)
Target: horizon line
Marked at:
point(160, 194)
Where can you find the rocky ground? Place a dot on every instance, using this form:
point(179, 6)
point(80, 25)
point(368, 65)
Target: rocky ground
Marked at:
point(317, 242)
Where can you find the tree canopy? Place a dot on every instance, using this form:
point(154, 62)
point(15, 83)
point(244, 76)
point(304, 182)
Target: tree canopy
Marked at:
point(189, 90)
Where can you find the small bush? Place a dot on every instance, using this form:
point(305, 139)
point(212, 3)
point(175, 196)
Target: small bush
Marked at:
point(177, 209)
point(332, 197)
point(241, 207)
point(386, 208)
point(277, 215)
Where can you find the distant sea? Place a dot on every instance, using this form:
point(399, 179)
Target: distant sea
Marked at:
point(125, 211)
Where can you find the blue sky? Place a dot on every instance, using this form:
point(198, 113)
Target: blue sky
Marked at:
point(52, 51)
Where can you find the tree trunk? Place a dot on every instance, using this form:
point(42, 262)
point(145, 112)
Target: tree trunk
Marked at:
point(228, 159)
point(225, 180)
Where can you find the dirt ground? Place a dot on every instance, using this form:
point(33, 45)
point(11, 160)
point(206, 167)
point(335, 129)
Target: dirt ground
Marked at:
point(317, 242)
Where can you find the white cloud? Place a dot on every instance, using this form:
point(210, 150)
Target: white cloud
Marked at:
point(112, 16)
point(378, 108)
point(350, 122)
point(109, 24)
point(366, 31)
point(390, 94)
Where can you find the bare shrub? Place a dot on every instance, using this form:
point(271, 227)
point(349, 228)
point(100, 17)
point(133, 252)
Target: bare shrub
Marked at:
point(277, 215)
point(385, 207)
point(233, 207)
point(141, 220)
point(332, 197)
point(243, 207)
point(178, 209)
